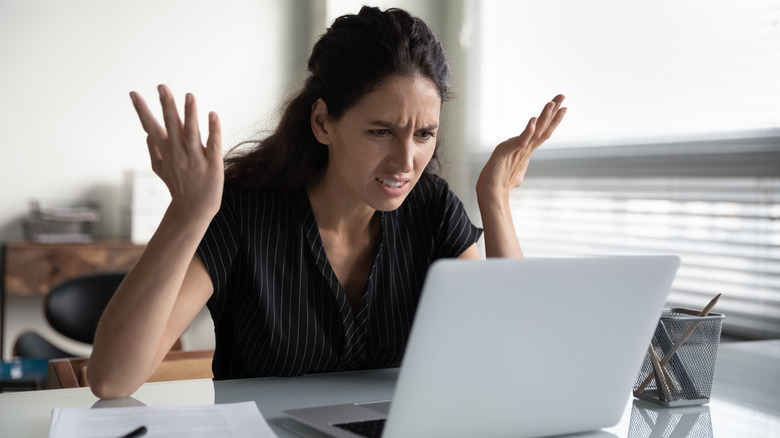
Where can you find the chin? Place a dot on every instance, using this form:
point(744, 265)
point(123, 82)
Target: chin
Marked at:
point(388, 204)
point(383, 200)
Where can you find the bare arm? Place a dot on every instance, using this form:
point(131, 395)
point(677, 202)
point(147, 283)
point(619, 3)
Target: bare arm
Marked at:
point(471, 252)
point(169, 285)
point(505, 171)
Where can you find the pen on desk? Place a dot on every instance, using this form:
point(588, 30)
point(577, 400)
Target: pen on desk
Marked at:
point(141, 431)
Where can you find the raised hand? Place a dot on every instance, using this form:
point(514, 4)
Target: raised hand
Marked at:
point(194, 173)
point(504, 171)
point(508, 163)
point(169, 284)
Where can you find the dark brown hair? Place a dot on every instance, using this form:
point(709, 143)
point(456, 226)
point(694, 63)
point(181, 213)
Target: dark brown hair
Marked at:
point(349, 61)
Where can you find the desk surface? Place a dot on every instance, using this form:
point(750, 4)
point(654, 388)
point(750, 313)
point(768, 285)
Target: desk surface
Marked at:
point(745, 399)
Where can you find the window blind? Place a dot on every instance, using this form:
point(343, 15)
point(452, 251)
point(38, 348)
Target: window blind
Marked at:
point(724, 229)
point(671, 144)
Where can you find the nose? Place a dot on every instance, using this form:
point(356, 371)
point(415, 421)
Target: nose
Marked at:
point(402, 156)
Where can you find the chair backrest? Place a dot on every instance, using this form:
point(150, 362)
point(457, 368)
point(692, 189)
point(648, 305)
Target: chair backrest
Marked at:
point(74, 307)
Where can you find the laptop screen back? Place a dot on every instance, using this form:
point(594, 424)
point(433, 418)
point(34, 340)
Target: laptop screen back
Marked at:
point(519, 348)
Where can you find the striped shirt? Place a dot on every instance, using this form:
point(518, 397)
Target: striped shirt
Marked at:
point(277, 306)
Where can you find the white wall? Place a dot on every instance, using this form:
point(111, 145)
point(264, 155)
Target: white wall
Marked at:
point(68, 128)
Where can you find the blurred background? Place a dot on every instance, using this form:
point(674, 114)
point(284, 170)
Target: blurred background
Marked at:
point(671, 143)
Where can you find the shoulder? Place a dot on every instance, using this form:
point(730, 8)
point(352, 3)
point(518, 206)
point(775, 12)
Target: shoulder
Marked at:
point(251, 207)
point(240, 198)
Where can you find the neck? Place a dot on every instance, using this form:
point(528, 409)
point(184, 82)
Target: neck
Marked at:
point(336, 213)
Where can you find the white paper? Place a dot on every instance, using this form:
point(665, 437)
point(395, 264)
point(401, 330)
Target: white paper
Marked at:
point(207, 421)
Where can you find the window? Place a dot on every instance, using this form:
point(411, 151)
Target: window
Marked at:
point(633, 71)
point(671, 144)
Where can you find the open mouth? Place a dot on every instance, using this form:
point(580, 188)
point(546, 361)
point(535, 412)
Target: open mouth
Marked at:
point(391, 184)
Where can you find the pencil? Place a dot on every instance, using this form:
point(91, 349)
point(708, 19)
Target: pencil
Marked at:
point(680, 342)
point(663, 385)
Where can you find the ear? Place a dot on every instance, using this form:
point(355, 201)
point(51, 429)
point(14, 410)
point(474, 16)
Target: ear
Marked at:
point(320, 125)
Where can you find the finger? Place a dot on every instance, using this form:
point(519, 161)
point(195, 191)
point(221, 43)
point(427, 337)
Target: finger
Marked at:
point(214, 142)
point(552, 114)
point(548, 113)
point(558, 101)
point(544, 118)
point(556, 120)
point(556, 111)
point(527, 134)
point(191, 133)
point(148, 122)
point(154, 155)
point(520, 142)
point(171, 118)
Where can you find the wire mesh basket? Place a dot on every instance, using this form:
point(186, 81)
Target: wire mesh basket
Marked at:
point(680, 364)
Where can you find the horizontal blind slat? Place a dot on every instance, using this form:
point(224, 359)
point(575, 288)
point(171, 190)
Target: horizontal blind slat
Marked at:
point(726, 246)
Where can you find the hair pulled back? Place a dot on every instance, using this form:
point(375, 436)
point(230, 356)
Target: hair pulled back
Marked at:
point(349, 61)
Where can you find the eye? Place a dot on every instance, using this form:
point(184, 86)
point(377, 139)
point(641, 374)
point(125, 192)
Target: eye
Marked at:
point(382, 132)
point(426, 135)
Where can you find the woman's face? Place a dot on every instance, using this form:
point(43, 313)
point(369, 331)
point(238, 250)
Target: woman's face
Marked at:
point(380, 147)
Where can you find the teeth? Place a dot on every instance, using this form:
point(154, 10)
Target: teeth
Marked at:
point(391, 184)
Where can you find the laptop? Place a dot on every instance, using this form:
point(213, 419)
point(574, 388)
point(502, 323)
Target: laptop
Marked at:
point(517, 348)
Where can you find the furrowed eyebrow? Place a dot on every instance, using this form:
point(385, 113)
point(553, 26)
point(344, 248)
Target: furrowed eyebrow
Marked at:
point(382, 124)
point(389, 125)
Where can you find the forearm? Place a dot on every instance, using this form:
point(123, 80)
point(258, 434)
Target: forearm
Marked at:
point(504, 171)
point(131, 338)
point(499, 230)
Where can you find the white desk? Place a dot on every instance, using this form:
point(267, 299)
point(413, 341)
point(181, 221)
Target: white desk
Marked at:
point(745, 400)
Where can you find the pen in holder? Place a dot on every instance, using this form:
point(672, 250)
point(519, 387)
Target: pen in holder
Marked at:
point(679, 366)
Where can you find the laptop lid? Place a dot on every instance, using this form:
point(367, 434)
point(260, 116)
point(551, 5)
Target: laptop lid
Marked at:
point(524, 348)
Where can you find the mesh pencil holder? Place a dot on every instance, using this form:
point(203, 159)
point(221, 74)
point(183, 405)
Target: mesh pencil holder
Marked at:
point(680, 363)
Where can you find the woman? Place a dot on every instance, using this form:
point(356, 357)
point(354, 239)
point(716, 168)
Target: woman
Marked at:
point(309, 249)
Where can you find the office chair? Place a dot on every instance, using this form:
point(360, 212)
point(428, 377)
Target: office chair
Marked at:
point(73, 309)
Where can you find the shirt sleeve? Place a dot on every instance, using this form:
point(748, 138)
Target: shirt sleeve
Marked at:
point(456, 233)
point(219, 248)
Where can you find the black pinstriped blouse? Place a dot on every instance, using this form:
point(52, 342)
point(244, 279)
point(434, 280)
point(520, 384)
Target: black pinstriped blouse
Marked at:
point(277, 306)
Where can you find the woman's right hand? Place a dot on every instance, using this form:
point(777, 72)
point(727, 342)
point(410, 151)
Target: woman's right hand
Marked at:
point(194, 173)
point(169, 284)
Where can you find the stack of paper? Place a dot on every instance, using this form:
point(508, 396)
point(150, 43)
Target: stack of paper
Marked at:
point(207, 421)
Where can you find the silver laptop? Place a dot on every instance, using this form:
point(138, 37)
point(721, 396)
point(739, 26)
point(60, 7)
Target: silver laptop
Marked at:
point(517, 348)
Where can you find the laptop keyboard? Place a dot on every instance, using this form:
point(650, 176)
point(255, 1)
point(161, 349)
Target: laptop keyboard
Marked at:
point(368, 429)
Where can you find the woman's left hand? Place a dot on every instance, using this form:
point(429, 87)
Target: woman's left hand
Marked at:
point(504, 171)
point(507, 165)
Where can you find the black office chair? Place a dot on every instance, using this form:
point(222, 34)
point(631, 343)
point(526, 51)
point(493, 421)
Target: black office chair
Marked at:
point(73, 309)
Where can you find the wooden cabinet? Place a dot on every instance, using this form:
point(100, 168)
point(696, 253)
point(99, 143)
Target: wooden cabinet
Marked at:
point(34, 268)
